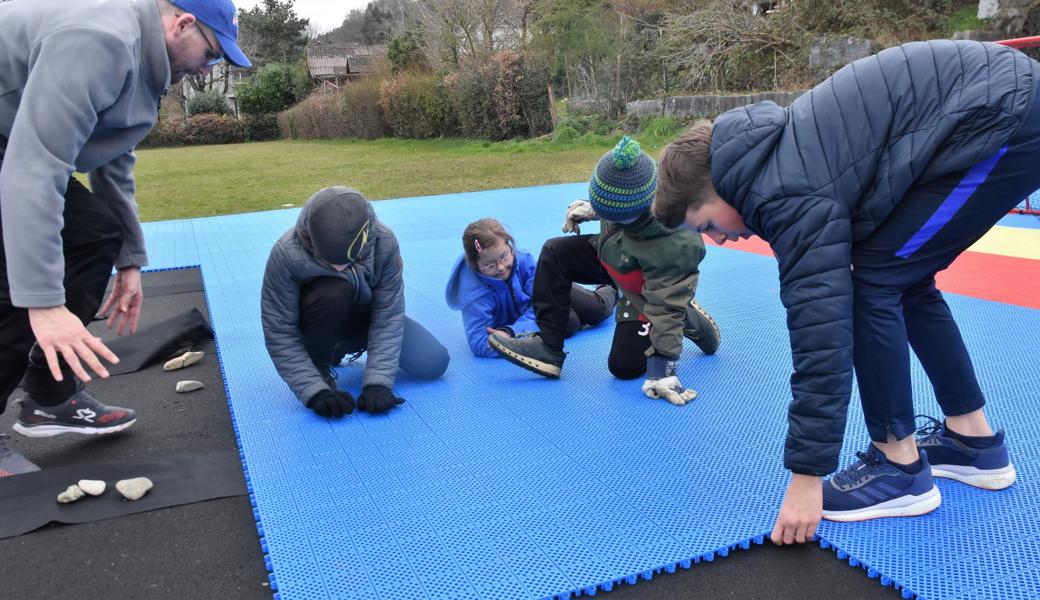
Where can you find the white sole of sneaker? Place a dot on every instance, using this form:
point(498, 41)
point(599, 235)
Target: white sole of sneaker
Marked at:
point(715, 327)
point(905, 506)
point(45, 431)
point(991, 479)
point(537, 366)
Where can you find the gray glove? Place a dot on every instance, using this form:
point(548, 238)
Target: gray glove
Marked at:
point(662, 381)
point(579, 211)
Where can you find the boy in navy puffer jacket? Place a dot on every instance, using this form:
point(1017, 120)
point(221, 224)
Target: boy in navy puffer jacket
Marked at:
point(865, 188)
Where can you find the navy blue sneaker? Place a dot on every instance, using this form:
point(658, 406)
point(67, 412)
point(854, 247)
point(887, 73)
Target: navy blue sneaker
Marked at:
point(82, 413)
point(872, 488)
point(986, 468)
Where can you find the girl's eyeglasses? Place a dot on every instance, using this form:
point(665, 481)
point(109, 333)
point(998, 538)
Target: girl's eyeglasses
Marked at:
point(490, 268)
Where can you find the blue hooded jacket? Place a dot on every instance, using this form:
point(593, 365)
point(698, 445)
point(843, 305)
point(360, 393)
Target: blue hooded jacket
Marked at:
point(815, 178)
point(489, 302)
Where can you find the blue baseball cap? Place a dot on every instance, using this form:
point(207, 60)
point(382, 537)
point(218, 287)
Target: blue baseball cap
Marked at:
point(222, 18)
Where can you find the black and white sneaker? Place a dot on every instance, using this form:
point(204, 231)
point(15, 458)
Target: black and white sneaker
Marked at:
point(530, 352)
point(11, 462)
point(81, 413)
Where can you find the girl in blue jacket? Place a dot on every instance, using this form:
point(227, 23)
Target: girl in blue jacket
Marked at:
point(492, 283)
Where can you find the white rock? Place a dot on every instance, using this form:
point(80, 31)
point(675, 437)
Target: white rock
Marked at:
point(184, 360)
point(92, 486)
point(133, 489)
point(188, 386)
point(71, 494)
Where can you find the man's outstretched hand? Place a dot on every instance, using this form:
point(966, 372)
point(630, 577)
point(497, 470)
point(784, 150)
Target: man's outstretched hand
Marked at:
point(58, 331)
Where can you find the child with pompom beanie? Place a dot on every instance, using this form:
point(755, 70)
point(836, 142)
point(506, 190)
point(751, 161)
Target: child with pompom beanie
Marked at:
point(655, 269)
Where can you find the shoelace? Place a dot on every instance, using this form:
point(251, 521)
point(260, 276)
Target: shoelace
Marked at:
point(329, 371)
point(930, 429)
point(859, 470)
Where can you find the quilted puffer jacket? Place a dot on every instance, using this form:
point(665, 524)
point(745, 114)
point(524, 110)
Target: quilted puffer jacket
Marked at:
point(815, 178)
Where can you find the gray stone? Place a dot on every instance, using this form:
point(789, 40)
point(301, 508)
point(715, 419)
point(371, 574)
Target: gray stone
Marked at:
point(134, 489)
point(979, 35)
point(691, 106)
point(188, 386)
point(93, 487)
point(184, 360)
point(828, 54)
point(730, 102)
point(71, 494)
point(988, 9)
point(645, 108)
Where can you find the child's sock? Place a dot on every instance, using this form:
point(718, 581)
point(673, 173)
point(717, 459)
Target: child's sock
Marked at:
point(980, 442)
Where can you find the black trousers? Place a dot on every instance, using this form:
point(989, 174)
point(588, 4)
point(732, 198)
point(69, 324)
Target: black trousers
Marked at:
point(896, 305)
point(333, 327)
point(562, 262)
point(589, 307)
point(91, 241)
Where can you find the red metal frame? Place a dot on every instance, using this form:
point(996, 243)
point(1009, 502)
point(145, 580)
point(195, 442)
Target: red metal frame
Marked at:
point(1020, 43)
point(1025, 42)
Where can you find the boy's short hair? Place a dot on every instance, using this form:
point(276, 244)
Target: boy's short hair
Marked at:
point(684, 174)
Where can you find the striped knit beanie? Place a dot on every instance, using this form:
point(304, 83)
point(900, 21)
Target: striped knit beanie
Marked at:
point(624, 183)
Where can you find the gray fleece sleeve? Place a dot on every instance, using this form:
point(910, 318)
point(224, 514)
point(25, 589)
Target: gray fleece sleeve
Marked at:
point(67, 88)
point(114, 182)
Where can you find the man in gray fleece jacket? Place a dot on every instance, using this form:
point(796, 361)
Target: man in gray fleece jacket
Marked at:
point(80, 84)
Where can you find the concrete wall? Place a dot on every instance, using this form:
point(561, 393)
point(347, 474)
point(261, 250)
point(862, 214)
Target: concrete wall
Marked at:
point(682, 107)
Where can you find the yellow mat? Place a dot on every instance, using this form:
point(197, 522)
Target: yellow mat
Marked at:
point(1010, 241)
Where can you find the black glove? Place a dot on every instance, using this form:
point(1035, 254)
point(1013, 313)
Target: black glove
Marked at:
point(331, 403)
point(377, 399)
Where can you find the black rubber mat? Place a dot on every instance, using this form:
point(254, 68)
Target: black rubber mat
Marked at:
point(29, 502)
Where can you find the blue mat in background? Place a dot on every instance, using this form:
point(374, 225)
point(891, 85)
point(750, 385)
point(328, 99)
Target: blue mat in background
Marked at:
point(494, 483)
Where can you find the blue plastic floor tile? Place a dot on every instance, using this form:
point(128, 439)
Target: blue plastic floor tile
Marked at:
point(492, 483)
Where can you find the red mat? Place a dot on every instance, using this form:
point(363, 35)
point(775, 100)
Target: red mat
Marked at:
point(994, 277)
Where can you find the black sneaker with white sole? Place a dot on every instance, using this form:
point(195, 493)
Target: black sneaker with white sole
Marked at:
point(81, 413)
point(530, 352)
point(700, 328)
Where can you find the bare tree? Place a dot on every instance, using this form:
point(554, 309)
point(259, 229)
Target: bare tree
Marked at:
point(724, 46)
point(458, 31)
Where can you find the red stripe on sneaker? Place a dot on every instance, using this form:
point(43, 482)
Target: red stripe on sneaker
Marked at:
point(112, 416)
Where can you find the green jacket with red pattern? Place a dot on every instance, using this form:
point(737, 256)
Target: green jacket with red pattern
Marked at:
point(656, 269)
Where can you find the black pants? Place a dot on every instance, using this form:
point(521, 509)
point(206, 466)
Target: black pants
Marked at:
point(91, 241)
point(332, 328)
point(562, 262)
point(895, 302)
point(589, 307)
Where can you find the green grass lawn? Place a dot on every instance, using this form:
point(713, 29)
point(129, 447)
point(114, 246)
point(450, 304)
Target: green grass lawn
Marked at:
point(178, 183)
